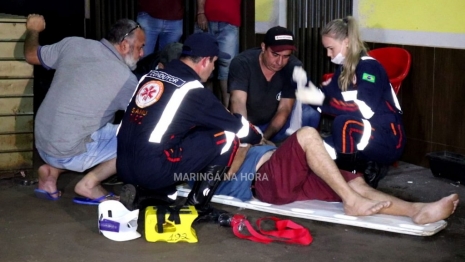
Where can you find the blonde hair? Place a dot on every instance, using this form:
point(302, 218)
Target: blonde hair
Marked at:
point(340, 29)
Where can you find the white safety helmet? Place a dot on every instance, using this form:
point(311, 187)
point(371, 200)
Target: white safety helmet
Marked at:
point(116, 222)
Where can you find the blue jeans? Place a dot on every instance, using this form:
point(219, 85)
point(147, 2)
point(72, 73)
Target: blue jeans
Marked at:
point(310, 117)
point(101, 149)
point(227, 36)
point(165, 31)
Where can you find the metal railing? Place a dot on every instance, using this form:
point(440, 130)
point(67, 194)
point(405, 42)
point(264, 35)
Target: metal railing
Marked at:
point(306, 18)
point(104, 13)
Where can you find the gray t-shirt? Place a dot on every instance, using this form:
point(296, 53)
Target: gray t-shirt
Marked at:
point(90, 84)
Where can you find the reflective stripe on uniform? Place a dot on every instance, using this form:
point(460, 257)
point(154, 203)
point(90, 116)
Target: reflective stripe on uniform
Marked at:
point(171, 109)
point(244, 131)
point(365, 110)
point(229, 140)
point(365, 136)
point(394, 97)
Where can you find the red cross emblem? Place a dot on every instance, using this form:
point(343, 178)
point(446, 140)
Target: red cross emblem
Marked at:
point(149, 93)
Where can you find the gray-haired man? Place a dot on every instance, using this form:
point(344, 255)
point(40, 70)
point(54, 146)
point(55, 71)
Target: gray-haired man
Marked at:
point(73, 126)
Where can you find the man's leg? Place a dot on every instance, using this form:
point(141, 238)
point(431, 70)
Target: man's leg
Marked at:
point(48, 176)
point(322, 165)
point(101, 153)
point(49, 173)
point(224, 92)
point(228, 41)
point(421, 213)
point(172, 33)
point(89, 186)
point(152, 28)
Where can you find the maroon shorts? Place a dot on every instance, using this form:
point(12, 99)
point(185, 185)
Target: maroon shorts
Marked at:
point(286, 177)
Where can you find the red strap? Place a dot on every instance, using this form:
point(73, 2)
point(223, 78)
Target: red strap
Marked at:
point(255, 236)
point(286, 231)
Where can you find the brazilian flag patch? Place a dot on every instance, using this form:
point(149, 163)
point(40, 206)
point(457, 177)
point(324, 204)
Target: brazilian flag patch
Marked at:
point(369, 78)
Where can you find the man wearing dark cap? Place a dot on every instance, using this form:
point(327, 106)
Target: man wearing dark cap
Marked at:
point(175, 130)
point(262, 89)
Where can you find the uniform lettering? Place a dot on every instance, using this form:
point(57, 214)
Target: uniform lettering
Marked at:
point(164, 77)
point(139, 111)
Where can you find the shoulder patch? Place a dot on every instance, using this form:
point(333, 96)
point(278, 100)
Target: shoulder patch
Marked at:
point(163, 76)
point(149, 93)
point(369, 78)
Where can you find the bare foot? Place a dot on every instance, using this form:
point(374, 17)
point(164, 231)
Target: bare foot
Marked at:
point(48, 176)
point(435, 211)
point(364, 207)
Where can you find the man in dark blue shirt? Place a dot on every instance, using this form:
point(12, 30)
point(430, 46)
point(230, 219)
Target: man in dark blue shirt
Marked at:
point(262, 89)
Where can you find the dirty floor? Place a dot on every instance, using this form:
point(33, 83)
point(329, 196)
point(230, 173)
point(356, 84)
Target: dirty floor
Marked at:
point(32, 230)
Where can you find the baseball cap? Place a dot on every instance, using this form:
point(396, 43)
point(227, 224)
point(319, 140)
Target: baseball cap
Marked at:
point(202, 45)
point(279, 38)
point(169, 52)
point(116, 222)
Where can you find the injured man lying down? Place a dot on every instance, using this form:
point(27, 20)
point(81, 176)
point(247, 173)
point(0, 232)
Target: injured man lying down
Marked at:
point(301, 169)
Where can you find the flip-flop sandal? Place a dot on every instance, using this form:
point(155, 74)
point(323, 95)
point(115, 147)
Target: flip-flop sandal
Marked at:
point(93, 202)
point(42, 194)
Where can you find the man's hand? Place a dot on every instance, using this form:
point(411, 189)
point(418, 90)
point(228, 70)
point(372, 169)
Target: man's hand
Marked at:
point(266, 142)
point(202, 21)
point(35, 23)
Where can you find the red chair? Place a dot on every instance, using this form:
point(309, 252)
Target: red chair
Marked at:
point(395, 60)
point(326, 77)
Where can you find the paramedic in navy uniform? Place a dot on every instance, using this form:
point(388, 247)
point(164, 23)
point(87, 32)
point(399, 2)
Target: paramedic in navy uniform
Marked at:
point(174, 128)
point(368, 125)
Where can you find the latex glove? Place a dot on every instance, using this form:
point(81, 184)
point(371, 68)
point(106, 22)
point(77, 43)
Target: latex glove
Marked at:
point(299, 76)
point(309, 95)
